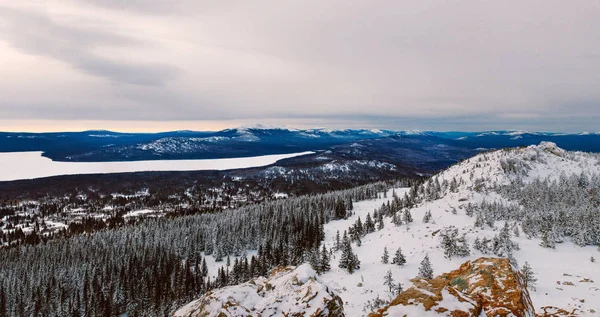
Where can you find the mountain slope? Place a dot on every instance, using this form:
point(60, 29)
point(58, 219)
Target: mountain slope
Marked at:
point(566, 276)
point(535, 205)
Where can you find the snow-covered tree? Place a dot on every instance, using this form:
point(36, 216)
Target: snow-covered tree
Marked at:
point(528, 276)
point(453, 245)
point(503, 246)
point(388, 280)
point(427, 216)
point(385, 258)
point(399, 288)
point(399, 258)
point(407, 216)
point(425, 270)
point(348, 260)
point(324, 265)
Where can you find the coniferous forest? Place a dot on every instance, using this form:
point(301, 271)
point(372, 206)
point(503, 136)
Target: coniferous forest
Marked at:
point(151, 268)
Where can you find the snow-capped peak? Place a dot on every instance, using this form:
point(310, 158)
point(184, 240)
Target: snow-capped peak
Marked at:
point(545, 160)
point(260, 126)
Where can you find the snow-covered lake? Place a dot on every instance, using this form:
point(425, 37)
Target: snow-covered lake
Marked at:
point(27, 165)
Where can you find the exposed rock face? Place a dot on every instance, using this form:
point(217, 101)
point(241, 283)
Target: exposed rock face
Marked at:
point(287, 292)
point(487, 286)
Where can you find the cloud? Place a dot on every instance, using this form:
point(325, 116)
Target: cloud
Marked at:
point(395, 62)
point(34, 32)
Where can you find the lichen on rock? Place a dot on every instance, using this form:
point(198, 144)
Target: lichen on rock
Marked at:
point(489, 286)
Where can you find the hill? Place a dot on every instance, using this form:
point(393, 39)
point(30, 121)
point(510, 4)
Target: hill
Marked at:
point(536, 205)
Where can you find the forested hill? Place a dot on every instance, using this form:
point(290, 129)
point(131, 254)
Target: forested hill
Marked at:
point(103, 146)
point(537, 206)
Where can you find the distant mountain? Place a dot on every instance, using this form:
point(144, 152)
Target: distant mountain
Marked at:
point(102, 146)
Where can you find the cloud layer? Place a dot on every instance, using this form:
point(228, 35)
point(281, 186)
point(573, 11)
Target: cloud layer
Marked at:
point(425, 64)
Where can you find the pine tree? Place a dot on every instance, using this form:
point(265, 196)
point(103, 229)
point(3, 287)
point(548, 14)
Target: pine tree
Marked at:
point(425, 270)
point(204, 268)
point(358, 226)
point(348, 259)
point(502, 245)
point(528, 276)
point(314, 260)
point(340, 210)
point(380, 223)
point(427, 217)
point(228, 261)
point(399, 258)
point(452, 244)
point(385, 258)
point(337, 245)
point(396, 219)
point(388, 280)
point(407, 216)
point(399, 288)
point(369, 224)
point(324, 260)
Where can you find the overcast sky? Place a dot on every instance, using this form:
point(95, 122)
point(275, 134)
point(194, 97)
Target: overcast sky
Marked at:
point(205, 64)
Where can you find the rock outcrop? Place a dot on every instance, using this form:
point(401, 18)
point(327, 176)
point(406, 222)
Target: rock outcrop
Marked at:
point(286, 292)
point(484, 287)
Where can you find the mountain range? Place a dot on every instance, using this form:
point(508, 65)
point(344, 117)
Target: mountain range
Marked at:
point(102, 146)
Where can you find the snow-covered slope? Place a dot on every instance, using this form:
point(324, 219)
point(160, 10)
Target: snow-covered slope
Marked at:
point(527, 164)
point(286, 292)
point(567, 278)
point(483, 197)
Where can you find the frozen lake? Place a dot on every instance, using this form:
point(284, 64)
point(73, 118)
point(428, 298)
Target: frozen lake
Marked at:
point(27, 165)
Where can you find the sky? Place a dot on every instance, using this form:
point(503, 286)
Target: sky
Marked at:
point(151, 65)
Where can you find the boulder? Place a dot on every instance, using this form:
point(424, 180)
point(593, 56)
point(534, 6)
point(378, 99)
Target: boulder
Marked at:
point(286, 292)
point(484, 287)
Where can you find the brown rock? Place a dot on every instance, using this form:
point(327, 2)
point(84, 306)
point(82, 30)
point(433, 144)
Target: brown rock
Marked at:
point(486, 284)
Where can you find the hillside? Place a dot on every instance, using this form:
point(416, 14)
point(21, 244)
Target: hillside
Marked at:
point(537, 204)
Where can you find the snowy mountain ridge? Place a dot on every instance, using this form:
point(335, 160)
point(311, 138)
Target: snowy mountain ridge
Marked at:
point(545, 160)
point(537, 206)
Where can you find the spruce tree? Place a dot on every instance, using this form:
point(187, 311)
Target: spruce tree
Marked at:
point(385, 258)
point(324, 260)
point(528, 276)
point(348, 259)
point(399, 258)
point(380, 223)
point(204, 268)
point(369, 224)
point(425, 270)
point(407, 217)
point(399, 288)
point(314, 260)
point(452, 244)
point(388, 280)
point(427, 217)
